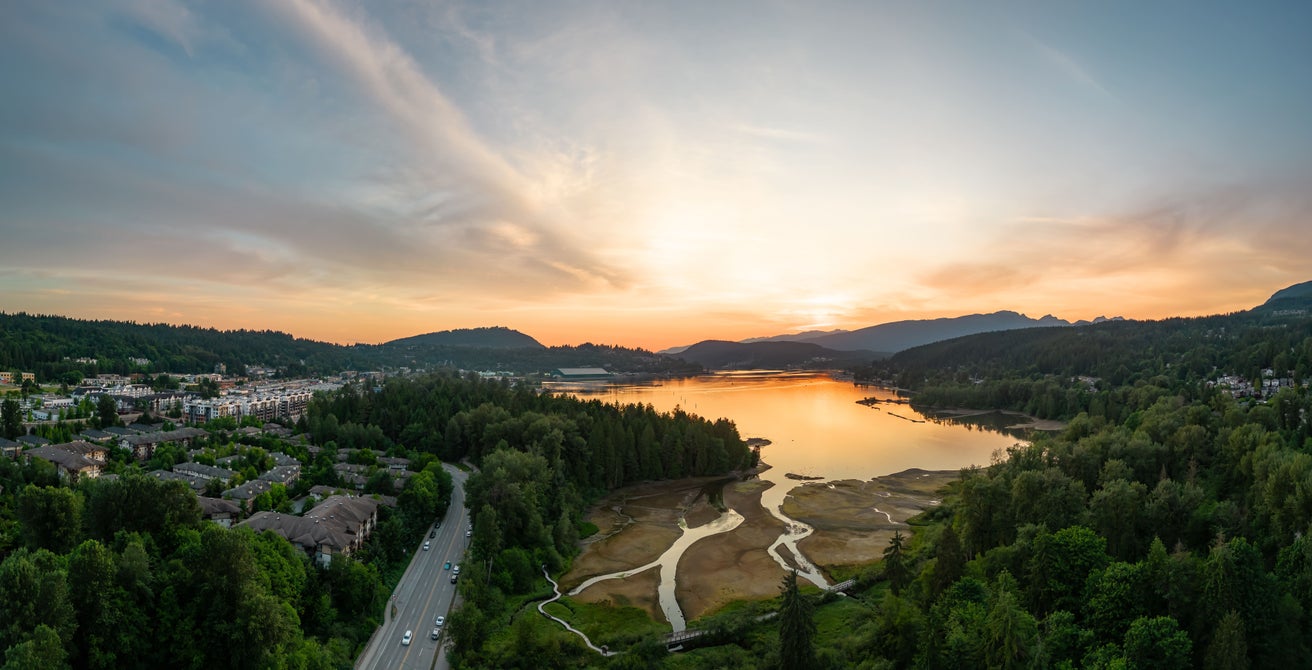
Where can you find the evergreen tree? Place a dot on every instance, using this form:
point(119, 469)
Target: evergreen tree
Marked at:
point(1158, 643)
point(950, 561)
point(11, 419)
point(43, 650)
point(796, 627)
point(895, 568)
point(1010, 631)
point(107, 411)
point(1229, 648)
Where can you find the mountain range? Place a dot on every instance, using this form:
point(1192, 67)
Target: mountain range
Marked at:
point(1298, 296)
point(889, 338)
point(720, 354)
point(62, 348)
point(496, 337)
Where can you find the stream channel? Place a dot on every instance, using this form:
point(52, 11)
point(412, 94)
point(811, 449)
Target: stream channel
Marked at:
point(817, 430)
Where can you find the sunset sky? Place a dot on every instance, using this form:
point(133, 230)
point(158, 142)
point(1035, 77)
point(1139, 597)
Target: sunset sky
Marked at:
point(649, 173)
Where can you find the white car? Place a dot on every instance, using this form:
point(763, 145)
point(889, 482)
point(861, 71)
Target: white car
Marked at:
point(440, 620)
point(405, 639)
point(425, 546)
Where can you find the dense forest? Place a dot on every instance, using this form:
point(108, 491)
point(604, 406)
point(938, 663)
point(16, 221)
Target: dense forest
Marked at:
point(540, 460)
point(50, 346)
point(1059, 372)
point(124, 573)
point(120, 571)
point(1165, 526)
point(1166, 529)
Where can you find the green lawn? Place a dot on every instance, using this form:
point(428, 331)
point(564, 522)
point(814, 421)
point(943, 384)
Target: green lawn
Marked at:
point(617, 627)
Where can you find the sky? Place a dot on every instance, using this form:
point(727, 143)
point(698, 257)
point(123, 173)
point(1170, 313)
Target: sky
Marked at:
point(648, 173)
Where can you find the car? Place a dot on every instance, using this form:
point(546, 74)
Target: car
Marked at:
point(455, 570)
point(453, 578)
point(447, 566)
point(469, 533)
point(432, 533)
point(425, 546)
point(435, 634)
point(405, 639)
point(440, 620)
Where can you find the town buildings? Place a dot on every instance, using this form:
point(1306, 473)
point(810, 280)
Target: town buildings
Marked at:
point(338, 526)
point(73, 460)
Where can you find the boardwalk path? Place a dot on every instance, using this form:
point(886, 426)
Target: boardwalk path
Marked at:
point(556, 588)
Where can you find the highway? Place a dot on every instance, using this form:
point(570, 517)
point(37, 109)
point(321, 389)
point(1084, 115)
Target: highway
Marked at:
point(424, 593)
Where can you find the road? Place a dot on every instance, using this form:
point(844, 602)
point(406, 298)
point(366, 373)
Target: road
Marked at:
point(424, 593)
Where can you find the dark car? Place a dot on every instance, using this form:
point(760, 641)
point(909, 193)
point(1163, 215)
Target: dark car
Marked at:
point(453, 578)
point(432, 533)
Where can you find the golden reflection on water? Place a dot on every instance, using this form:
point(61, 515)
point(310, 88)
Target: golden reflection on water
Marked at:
point(816, 426)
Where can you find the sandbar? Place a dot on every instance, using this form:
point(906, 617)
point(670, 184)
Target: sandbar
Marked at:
point(733, 566)
point(638, 590)
point(854, 520)
point(637, 524)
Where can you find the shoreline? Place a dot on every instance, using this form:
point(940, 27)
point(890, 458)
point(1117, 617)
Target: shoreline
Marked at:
point(1031, 423)
point(853, 521)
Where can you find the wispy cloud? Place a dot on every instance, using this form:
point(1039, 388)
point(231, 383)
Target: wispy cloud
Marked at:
point(486, 190)
point(1070, 68)
point(1217, 242)
point(785, 134)
point(431, 204)
point(169, 19)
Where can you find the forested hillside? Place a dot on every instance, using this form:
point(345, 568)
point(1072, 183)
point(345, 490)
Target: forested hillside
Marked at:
point(531, 360)
point(498, 337)
point(1060, 372)
point(541, 459)
point(50, 346)
point(719, 354)
point(1167, 526)
point(124, 573)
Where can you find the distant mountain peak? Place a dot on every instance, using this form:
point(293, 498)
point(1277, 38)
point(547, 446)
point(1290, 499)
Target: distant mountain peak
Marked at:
point(493, 337)
point(899, 335)
point(794, 337)
point(1300, 291)
point(722, 354)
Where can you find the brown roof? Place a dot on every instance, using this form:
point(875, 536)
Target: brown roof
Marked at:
point(69, 460)
point(83, 448)
point(212, 506)
point(336, 523)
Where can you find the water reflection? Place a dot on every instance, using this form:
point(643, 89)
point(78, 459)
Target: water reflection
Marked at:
point(817, 427)
point(669, 562)
point(820, 428)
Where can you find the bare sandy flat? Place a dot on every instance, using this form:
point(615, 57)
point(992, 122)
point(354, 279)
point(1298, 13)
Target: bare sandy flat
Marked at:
point(640, 523)
point(637, 590)
point(732, 566)
point(637, 524)
point(854, 520)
